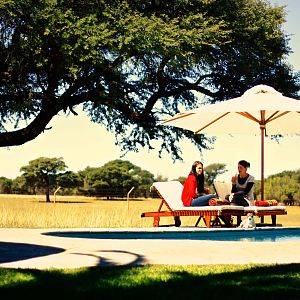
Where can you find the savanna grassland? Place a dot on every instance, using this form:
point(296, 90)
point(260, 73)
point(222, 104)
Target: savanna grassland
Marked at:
point(27, 211)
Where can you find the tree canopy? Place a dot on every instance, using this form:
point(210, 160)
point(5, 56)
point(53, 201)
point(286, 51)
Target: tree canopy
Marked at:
point(283, 187)
point(42, 172)
point(131, 64)
point(115, 179)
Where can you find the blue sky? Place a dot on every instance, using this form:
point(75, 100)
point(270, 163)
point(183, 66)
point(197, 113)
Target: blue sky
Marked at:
point(82, 143)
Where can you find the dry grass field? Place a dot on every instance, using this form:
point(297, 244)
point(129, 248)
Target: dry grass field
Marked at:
point(27, 211)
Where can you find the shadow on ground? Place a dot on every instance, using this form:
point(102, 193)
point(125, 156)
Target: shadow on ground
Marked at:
point(10, 252)
point(137, 259)
point(13, 252)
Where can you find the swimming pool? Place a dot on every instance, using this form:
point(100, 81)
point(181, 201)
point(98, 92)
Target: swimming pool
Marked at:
point(251, 235)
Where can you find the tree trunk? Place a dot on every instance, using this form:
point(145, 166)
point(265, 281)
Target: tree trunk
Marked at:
point(47, 190)
point(47, 196)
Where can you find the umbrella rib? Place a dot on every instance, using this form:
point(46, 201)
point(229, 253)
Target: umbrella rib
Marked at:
point(272, 118)
point(249, 116)
point(215, 120)
point(178, 117)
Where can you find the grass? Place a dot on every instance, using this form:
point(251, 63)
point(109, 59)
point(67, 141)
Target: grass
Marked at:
point(24, 211)
point(155, 282)
point(72, 212)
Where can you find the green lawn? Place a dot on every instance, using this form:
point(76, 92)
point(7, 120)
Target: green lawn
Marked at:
point(155, 282)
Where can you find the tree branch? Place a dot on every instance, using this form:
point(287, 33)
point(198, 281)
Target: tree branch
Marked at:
point(30, 132)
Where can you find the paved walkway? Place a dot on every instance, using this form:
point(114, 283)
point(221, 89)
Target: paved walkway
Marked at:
point(47, 248)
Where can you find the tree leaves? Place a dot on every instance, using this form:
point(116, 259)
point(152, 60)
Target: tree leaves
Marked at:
point(132, 64)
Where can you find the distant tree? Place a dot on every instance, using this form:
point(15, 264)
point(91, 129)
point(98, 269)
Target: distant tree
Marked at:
point(42, 172)
point(19, 185)
point(68, 181)
point(132, 63)
point(161, 178)
point(181, 179)
point(5, 185)
point(116, 178)
point(284, 187)
point(212, 171)
point(109, 180)
point(144, 180)
point(257, 189)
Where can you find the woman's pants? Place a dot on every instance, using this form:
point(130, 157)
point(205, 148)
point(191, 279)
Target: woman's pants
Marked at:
point(202, 200)
point(238, 200)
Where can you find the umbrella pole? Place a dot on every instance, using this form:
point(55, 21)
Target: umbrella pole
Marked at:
point(262, 128)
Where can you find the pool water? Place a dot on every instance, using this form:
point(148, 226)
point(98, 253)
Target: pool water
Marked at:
point(252, 235)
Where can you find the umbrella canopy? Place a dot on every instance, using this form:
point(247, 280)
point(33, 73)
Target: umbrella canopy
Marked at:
point(260, 109)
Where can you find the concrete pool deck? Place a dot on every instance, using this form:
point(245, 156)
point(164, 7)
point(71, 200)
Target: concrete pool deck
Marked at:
point(46, 248)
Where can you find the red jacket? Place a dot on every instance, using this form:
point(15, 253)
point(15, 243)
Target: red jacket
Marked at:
point(189, 190)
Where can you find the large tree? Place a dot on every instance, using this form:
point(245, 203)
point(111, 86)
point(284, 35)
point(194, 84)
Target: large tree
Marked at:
point(133, 63)
point(42, 173)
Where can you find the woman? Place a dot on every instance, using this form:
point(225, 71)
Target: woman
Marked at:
point(242, 186)
point(194, 193)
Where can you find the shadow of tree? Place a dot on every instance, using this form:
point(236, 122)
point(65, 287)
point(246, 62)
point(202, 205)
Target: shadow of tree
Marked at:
point(138, 259)
point(13, 252)
point(157, 282)
point(10, 252)
point(107, 261)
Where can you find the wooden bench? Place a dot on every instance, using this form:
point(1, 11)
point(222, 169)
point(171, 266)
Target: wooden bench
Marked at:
point(170, 194)
point(224, 188)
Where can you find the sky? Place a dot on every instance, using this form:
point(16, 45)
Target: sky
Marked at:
point(82, 143)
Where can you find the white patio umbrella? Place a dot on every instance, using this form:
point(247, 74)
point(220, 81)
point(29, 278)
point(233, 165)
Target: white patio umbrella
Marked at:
point(260, 109)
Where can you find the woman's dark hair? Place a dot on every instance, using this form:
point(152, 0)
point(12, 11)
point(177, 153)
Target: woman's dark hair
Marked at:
point(244, 163)
point(199, 178)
